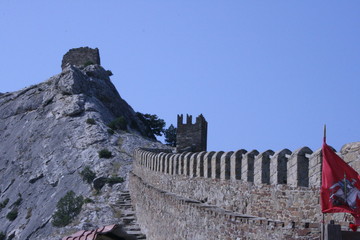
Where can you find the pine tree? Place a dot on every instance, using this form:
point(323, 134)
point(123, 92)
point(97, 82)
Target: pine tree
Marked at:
point(68, 208)
point(170, 136)
point(154, 125)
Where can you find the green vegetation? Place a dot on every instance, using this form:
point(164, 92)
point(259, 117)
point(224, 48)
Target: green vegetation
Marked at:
point(153, 124)
point(104, 153)
point(67, 209)
point(170, 136)
point(2, 236)
point(90, 121)
point(88, 200)
point(4, 203)
point(87, 63)
point(110, 131)
point(119, 123)
point(18, 201)
point(12, 215)
point(88, 175)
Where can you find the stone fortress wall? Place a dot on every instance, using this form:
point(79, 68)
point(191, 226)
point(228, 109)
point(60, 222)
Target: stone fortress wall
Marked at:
point(224, 195)
point(217, 195)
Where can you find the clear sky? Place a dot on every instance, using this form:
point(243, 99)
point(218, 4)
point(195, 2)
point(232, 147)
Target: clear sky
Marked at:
point(265, 74)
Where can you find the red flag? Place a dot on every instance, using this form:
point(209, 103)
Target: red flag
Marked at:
point(340, 188)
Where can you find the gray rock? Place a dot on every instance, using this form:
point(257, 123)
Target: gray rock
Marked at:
point(45, 142)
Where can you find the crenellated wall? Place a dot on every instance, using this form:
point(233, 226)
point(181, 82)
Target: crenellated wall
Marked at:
point(280, 188)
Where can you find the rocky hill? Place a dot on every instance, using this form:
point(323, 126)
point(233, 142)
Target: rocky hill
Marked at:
point(50, 133)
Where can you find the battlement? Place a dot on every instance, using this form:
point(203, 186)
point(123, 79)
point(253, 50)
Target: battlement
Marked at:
point(200, 120)
point(191, 137)
point(300, 168)
point(232, 190)
point(275, 193)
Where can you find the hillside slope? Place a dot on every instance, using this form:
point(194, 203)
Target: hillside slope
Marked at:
point(46, 139)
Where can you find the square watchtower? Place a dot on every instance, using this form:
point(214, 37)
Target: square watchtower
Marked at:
point(191, 137)
point(81, 56)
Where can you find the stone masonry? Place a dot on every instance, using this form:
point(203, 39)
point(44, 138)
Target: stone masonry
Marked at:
point(81, 56)
point(191, 137)
point(231, 195)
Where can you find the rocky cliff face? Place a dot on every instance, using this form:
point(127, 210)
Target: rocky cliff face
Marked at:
point(46, 139)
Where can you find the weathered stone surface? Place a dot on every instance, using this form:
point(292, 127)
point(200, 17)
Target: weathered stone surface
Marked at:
point(351, 154)
point(283, 210)
point(45, 141)
point(191, 137)
point(81, 56)
point(186, 218)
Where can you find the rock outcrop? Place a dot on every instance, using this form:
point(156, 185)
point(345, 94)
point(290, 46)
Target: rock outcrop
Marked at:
point(49, 133)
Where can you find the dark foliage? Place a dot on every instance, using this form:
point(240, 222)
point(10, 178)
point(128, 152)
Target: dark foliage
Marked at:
point(12, 215)
point(67, 209)
point(90, 121)
point(88, 175)
point(119, 123)
point(2, 236)
point(104, 153)
point(18, 201)
point(153, 124)
point(88, 200)
point(4, 203)
point(170, 136)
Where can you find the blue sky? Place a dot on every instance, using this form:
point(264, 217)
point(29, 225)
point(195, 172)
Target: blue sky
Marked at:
point(265, 74)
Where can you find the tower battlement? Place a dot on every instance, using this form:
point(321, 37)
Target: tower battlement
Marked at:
point(191, 137)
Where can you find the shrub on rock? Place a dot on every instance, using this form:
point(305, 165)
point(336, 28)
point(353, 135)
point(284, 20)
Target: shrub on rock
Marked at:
point(88, 175)
point(12, 215)
point(104, 153)
point(67, 209)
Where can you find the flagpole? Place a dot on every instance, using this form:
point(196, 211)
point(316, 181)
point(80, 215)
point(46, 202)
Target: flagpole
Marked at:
point(321, 166)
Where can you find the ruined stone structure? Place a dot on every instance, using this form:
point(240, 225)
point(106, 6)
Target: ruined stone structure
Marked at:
point(229, 195)
point(191, 137)
point(81, 56)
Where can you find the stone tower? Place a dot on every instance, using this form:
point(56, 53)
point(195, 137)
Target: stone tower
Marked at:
point(81, 56)
point(191, 137)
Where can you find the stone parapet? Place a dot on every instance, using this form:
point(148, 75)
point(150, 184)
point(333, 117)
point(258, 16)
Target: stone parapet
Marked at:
point(298, 169)
point(273, 187)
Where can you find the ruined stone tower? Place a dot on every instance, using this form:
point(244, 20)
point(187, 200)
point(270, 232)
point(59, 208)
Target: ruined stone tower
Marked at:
point(81, 56)
point(191, 137)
